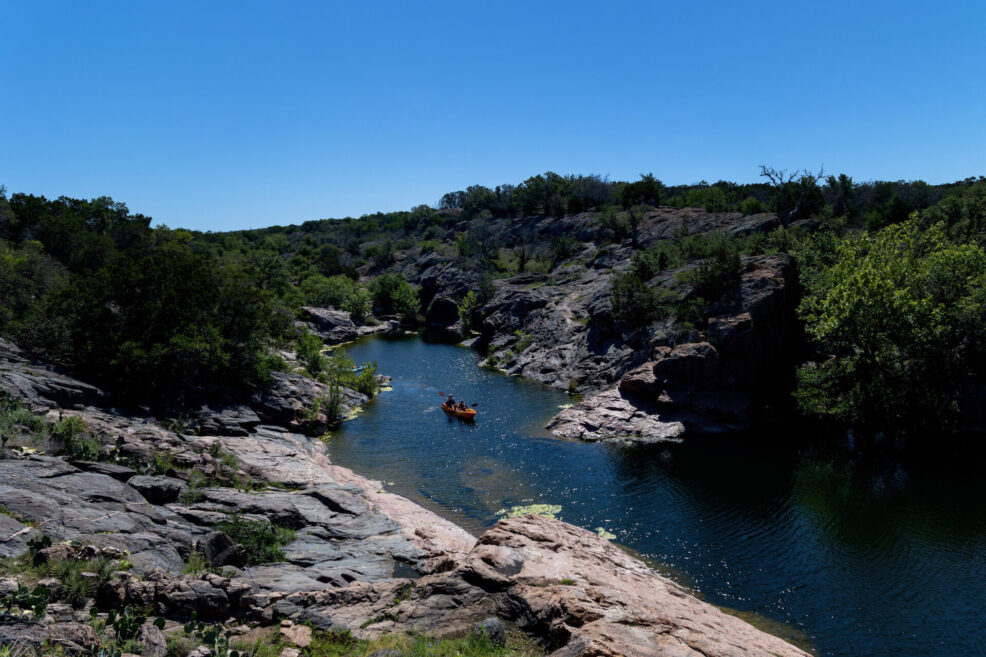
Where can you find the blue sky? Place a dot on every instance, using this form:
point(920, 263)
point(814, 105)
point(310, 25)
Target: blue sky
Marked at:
point(227, 115)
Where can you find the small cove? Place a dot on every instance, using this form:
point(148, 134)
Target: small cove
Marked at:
point(864, 559)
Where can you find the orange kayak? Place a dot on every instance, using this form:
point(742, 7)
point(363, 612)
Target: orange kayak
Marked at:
point(468, 414)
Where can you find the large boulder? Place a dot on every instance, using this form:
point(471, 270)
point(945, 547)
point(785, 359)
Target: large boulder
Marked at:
point(157, 489)
point(220, 550)
point(333, 326)
point(614, 415)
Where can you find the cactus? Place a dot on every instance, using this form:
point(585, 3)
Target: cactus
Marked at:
point(24, 599)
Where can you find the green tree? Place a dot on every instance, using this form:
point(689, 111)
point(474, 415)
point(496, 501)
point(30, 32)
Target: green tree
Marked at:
point(897, 312)
point(467, 308)
point(393, 293)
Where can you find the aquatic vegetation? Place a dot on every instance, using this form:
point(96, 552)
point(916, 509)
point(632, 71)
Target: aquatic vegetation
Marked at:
point(546, 510)
point(605, 534)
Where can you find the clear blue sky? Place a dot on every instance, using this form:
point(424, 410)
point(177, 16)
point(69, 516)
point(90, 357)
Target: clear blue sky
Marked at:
point(225, 115)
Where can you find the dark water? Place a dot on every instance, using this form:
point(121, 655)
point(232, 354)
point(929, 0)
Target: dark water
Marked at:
point(862, 558)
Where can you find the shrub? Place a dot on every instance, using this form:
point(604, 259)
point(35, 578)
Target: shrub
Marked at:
point(260, 541)
point(563, 247)
point(366, 380)
point(718, 274)
point(467, 308)
point(357, 304)
point(524, 340)
point(392, 293)
point(309, 348)
point(751, 205)
point(633, 300)
point(427, 246)
point(75, 440)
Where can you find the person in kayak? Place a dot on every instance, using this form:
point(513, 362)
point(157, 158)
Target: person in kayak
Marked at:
point(462, 406)
point(450, 402)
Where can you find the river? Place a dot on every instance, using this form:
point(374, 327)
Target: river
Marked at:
point(852, 557)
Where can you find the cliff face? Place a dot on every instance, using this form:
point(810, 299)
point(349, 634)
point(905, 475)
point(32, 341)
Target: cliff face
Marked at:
point(360, 557)
point(649, 382)
point(722, 378)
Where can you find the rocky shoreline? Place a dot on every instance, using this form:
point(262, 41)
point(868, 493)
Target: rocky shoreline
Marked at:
point(359, 558)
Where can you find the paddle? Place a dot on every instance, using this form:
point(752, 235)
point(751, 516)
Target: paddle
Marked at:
point(470, 405)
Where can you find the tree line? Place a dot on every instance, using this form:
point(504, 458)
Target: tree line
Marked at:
point(893, 276)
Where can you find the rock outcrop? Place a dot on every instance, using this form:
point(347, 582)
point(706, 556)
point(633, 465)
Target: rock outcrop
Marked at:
point(735, 367)
point(361, 558)
point(578, 592)
point(336, 326)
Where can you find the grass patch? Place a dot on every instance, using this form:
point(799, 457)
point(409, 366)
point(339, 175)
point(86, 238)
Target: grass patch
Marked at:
point(343, 644)
point(80, 578)
point(196, 564)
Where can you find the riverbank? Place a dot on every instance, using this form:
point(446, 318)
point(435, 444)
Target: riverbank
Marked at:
point(354, 556)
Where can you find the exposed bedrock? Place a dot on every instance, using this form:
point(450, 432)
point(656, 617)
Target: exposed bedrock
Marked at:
point(731, 372)
point(576, 591)
point(336, 326)
point(361, 558)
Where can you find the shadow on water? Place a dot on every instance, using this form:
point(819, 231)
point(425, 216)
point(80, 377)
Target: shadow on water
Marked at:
point(867, 555)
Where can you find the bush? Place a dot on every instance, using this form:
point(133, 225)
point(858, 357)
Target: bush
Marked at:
point(309, 348)
point(467, 308)
point(636, 302)
point(392, 293)
point(751, 205)
point(717, 275)
point(260, 541)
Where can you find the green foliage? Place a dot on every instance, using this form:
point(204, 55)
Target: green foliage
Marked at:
point(333, 291)
point(309, 349)
point(75, 440)
point(331, 405)
point(195, 564)
point(36, 545)
point(260, 541)
point(477, 644)
point(524, 340)
point(427, 246)
point(751, 205)
point(126, 624)
point(716, 275)
point(611, 220)
point(563, 248)
point(392, 293)
point(646, 191)
point(358, 304)
point(637, 302)
point(366, 380)
point(467, 308)
point(900, 313)
point(24, 600)
point(93, 286)
point(213, 636)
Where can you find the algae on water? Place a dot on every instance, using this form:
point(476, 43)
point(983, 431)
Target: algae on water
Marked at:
point(546, 510)
point(605, 534)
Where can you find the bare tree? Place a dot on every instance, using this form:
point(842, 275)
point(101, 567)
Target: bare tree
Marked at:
point(789, 200)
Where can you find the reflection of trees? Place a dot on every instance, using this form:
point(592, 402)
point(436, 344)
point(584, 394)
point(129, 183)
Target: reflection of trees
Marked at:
point(861, 499)
point(875, 505)
point(716, 470)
